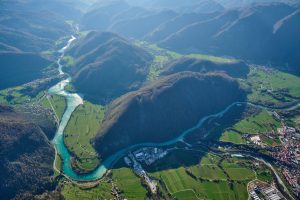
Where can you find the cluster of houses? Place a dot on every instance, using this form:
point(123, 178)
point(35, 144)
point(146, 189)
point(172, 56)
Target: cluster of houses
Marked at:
point(131, 161)
point(293, 178)
point(149, 155)
point(289, 151)
point(259, 190)
point(116, 192)
point(146, 155)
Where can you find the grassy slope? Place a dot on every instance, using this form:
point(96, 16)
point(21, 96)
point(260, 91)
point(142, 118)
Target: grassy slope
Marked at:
point(179, 183)
point(272, 86)
point(82, 127)
point(58, 102)
point(163, 56)
point(129, 183)
point(237, 172)
point(125, 179)
point(232, 136)
point(73, 192)
point(268, 86)
point(208, 169)
point(258, 123)
point(13, 96)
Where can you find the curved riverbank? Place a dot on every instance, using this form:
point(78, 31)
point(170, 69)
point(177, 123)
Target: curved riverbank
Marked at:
point(74, 100)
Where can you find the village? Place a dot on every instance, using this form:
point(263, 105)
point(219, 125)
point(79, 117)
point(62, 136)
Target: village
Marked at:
point(146, 155)
point(259, 190)
point(287, 152)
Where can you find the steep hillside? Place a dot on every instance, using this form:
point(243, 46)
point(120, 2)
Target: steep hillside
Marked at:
point(44, 25)
point(141, 19)
point(141, 26)
point(67, 9)
point(203, 6)
point(26, 157)
point(241, 3)
point(234, 69)
point(107, 66)
point(26, 29)
point(24, 41)
point(7, 48)
point(104, 13)
point(246, 33)
point(127, 20)
point(164, 109)
point(174, 25)
point(34, 25)
point(20, 68)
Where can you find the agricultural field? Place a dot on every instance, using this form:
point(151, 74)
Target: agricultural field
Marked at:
point(161, 58)
point(179, 183)
point(205, 179)
point(208, 168)
point(258, 123)
point(238, 170)
point(129, 183)
point(186, 194)
point(233, 137)
point(71, 191)
point(13, 96)
point(252, 122)
point(82, 127)
point(54, 102)
point(272, 87)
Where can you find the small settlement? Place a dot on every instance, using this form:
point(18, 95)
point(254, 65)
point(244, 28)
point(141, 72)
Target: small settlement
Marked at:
point(146, 155)
point(259, 190)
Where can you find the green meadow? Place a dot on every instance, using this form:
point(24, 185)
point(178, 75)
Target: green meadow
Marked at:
point(56, 103)
point(259, 123)
point(84, 124)
point(272, 87)
point(129, 183)
point(71, 191)
point(233, 137)
point(208, 169)
point(163, 56)
point(179, 183)
point(14, 96)
point(208, 179)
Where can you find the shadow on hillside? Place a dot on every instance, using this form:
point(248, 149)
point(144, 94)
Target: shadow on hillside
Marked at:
point(186, 157)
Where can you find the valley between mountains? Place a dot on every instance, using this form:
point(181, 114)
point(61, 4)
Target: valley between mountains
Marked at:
point(125, 99)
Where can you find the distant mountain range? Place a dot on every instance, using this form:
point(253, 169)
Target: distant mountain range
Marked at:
point(263, 33)
point(187, 6)
point(27, 30)
point(251, 34)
